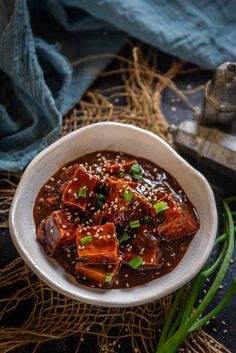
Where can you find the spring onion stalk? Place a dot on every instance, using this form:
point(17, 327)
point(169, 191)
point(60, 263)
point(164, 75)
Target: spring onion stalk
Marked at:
point(187, 319)
point(136, 262)
point(217, 309)
point(108, 277)
point(128, 196)
point(124, 237)
point(86, 240)
point(82, 192)
point(134, 224)
point(161, 206)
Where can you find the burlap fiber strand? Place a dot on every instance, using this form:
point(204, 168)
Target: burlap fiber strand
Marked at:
point(52, 316)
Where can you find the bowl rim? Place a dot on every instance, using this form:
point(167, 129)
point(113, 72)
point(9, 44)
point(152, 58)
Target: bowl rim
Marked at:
point(97, 298)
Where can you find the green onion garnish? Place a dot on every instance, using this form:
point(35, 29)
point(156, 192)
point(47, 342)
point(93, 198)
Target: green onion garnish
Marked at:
point(137, 176)
point(82, 192)
point(86, 240)
point(121, 175)
point(161, 206)
point(108, 277)
point(100, 200)
point(136, 262)
point(134, 224)
point(100, 197)
point(128, 196)
point(136, 169)
point(124, 237)
point(99, 204)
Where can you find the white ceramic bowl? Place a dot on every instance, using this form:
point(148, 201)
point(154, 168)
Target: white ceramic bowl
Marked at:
point(137, 142)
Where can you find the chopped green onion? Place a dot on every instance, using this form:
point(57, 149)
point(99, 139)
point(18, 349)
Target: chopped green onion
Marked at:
point(99, 204)
point(128, 196)
point(82, 192)
point(101, 197)
point(136, 262)
point(86, 239)
point(124, 237)
point(121, 175)
point(161, 206)
point(137, 176)
point(108, 277)
point(136, 169)
point(134, 224)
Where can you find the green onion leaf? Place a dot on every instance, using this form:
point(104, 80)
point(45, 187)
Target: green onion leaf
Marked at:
point(108, 277)
point(136, 262)
point(121, 175)
point(134, 224)
point(136, 169)
point(86, 240)
point(82, 192)
point(101, 197)
point(128, 196)
point(137, 176)
point(161, 206)
point(99, 204)
point(124, 237)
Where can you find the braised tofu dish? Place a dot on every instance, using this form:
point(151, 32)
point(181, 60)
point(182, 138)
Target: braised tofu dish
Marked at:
point(112, 220)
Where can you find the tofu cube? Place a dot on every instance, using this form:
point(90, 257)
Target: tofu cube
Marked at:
point(102, 275)
point(97, 244)
point(145, 244)
point(177, 221)
point(80, 191)
point(124, 204)
point(56, 232)
point(66, 175)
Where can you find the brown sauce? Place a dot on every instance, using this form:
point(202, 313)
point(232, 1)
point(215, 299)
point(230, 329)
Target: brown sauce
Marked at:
point(154, 178)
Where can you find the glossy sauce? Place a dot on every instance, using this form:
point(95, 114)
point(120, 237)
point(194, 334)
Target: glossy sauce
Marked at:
point(158, 179)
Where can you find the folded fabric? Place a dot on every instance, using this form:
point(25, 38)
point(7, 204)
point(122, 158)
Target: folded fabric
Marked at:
point(39, 40)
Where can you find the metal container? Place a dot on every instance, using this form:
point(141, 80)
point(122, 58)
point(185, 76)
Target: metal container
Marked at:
point(219, 105)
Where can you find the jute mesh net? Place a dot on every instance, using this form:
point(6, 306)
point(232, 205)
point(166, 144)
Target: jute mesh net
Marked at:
point(50, 315)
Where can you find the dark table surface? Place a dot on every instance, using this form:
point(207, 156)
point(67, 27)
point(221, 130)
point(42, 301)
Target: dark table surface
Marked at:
point(223, 327)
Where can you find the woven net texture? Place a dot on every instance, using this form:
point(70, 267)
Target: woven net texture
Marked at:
point(50, 316)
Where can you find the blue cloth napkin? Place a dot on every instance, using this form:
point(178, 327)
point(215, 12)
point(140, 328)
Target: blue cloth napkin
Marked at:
point(40, 39)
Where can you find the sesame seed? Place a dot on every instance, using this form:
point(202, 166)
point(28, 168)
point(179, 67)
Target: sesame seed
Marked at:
point(127, 285)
